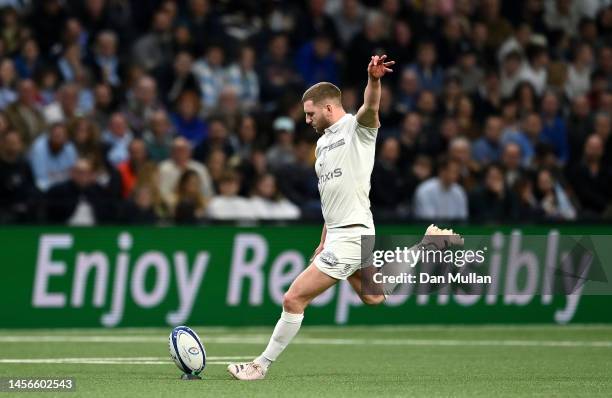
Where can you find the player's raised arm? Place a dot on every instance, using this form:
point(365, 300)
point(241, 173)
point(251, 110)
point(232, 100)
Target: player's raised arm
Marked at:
point(368, 113)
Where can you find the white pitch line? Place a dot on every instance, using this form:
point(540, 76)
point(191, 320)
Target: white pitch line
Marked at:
point(263, 339)
point(98, 361)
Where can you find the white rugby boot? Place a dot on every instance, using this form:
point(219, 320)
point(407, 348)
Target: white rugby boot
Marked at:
point(247, 371)
point(441, 238)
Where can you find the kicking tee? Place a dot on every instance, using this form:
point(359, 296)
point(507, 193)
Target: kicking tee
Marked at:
point(345, 158)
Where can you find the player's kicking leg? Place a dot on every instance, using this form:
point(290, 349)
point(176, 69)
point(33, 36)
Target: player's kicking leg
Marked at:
point(372, 293)
point(308, 285)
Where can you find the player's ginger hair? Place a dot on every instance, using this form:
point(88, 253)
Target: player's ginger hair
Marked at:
point(323, 91)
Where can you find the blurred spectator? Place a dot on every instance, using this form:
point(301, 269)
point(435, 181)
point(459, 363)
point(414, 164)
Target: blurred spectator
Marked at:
point(17, 189)
point(411, 139)
point(105, 62)
point(117, 138)
point(511, 161)
point(70, 63)
point(492, 201)
point(468, 69)
point(155, 48)
point(210, 74)
point(602, 126)
point(176, 78)
point(349, 20)
point(441, 198)
point(65, 108)
point(217, 165)
point(242, 76)
point(80, 200)
point(429, 73)
point(591, 179)
point(370, 41)
point(268, 204)
point(281, 153)
point(388, 186)
point(47, 17)
point(276, 70)
point(158, 137)
point(170, 171)
point(528, 207)
point(552, 197)
point(8, 83)
point(130, 168)
point(85, 136)
point(316, 62)
point(554, 130)
point(298, 181)
point(487, 149)
point(315, 22)
point(218, 138)
point(104, 105)
point(535, 70)
point(247, 137)
point(227, 205)
point(451, 42)
point(468, 125)
point(408, 91)
point(517, 43)
point(561, 16)
point(228, 108)
point(579, 72)
point(51, 157)
point(203, 22)
point(24, 114)
point(10, 29)
point(528, 137)
point(140, 208)
point(142, 104)
point(460, 151)
point(579, 126)
point(510, 74)
point(498, 27)
point(188, 202)
point(419, 171)
point(488, 99)
point(29, 61)
point(526, 98)
point(187, 121)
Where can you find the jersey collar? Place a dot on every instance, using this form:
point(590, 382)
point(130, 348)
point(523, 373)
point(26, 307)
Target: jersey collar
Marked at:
point(336, 126)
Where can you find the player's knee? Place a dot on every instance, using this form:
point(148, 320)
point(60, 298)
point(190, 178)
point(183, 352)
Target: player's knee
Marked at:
point(373, 299)
point(293, 303)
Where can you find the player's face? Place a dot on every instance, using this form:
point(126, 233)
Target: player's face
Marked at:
point(316, 116)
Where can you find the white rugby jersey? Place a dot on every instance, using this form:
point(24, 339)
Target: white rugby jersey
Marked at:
point(345, 158)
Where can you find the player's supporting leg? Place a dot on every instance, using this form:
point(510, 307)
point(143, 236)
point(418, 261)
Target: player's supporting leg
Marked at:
point(308, 285)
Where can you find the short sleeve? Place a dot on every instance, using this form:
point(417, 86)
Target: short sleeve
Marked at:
point(365, 134)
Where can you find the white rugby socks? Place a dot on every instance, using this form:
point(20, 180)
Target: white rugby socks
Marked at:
point(286, 328)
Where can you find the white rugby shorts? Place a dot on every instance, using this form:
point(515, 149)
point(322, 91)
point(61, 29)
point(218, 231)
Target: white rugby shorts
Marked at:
point(342, 251)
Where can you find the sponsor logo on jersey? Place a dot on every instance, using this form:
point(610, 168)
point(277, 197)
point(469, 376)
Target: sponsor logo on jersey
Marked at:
point(337, 172)
point(331, 146)
point(328, 258)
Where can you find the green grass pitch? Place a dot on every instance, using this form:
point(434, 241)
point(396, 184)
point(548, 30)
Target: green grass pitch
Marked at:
point(463, 361)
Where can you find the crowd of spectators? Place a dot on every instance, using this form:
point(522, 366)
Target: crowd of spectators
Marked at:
point(183, 111)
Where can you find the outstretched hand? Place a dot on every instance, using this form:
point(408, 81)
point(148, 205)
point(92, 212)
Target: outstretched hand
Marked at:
point(378, 66)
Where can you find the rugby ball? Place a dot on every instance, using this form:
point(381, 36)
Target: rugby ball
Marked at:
point(187, 351)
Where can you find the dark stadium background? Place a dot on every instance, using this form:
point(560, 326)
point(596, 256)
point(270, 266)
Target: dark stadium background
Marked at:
point(516, 94)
